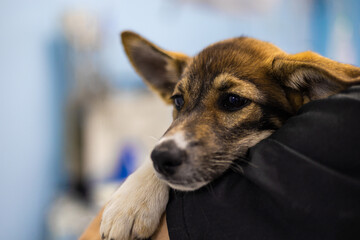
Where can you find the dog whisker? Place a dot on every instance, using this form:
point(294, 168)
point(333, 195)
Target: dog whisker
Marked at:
point(246, 160)
point(154, 138)
point(210, 188)
point(237, 168)
point(233, 165)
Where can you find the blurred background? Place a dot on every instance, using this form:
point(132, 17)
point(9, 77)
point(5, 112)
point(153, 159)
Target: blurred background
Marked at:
point(75, 119)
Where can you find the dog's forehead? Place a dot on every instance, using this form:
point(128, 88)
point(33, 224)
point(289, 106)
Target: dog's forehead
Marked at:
point(244, 58)
point(233, 55)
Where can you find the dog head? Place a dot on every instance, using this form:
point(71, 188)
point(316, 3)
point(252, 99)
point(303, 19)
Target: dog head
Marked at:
point(226, 99)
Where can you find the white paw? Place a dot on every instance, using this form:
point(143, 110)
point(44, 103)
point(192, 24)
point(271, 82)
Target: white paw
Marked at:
point(135, 209)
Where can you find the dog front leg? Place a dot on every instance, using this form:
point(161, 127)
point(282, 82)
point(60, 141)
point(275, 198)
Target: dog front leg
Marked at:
point(135, 209)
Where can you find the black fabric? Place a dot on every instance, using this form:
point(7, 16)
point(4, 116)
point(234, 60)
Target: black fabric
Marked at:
point(303, 183)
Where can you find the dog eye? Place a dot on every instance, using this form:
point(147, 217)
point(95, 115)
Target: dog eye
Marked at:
point(178, 102)
point(232, 102)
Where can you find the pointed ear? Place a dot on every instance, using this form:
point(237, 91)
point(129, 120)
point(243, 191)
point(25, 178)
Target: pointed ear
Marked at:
point(159, 69)
point(314, 76)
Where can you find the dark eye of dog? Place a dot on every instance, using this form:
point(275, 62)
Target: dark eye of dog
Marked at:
point(178, 102)
point(232, 102)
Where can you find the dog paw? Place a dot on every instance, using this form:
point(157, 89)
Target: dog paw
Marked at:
point(135, 209)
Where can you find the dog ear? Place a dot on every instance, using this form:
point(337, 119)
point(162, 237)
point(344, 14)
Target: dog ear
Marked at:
point(314, 76)
point(160, 69)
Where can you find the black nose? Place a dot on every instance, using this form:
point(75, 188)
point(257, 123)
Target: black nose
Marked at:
point(167, 157)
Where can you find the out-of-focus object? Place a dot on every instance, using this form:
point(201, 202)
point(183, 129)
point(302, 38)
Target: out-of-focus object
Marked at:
point(342, 37)
point(72, 209)
point(68, 217)
point(107, 129)
point(117, 125)
point(82, 30)
point(238, 6)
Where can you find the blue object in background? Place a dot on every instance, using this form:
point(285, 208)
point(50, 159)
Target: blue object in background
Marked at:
point(126, 163)
point(320, 26)
point(324, 17)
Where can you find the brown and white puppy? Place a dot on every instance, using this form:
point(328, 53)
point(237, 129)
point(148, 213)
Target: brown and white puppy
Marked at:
point(226, 99)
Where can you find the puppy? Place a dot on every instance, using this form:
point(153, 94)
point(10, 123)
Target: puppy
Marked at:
point(226, 99)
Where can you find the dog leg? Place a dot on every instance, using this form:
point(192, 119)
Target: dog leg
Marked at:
point(135, 209)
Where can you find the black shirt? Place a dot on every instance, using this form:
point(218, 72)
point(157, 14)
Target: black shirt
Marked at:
point(303, 183)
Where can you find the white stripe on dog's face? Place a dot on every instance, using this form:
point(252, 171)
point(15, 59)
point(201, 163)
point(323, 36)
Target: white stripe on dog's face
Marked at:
point(178, 138)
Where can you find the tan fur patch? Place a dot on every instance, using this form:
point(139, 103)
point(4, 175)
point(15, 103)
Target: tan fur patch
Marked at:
point(243, 88)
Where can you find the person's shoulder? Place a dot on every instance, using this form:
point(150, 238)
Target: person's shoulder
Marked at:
point(352, 93)
point(332, 115)
point(325, 131)
point(347, 101)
